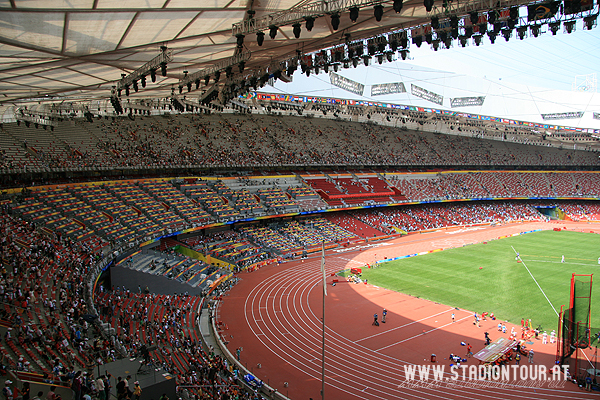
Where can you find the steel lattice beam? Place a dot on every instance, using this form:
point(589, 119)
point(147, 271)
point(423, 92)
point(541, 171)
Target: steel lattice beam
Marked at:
point(220, 66)
point(165, 56)
point(288, 17)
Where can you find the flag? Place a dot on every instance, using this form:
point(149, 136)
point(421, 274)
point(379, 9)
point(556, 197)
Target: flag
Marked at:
point(323, 268)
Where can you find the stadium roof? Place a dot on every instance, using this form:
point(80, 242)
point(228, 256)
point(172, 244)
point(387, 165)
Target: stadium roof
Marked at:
point(77, 49)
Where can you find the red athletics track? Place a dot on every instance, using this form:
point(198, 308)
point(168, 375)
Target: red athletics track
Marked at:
point(274, 315)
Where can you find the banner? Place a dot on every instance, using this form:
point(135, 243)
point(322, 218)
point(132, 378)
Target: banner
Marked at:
point(387, 88)
point(536, 12)
point(467, 101)
point(426, 94)
point(565, 115)
point(346, 84)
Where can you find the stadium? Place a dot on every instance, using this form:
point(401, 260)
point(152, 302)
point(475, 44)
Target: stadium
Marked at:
point(287, 200)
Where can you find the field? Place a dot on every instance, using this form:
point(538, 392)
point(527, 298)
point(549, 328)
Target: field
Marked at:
point(486, 277)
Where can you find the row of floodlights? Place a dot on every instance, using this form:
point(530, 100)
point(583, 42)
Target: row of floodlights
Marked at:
point(310, 22)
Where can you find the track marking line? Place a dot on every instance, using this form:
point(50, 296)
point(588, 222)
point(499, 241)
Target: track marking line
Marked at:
point(424, 333)
point(354, 261)
point(402, 326)
point(536, 282)
point(558, 262)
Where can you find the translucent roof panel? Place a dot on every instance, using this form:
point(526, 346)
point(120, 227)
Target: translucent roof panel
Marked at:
point(41, 30)
point(93, 33)
point(55, 4)
point(130, 4)
point(204, 4)
point(150, 27)
point(213, 21)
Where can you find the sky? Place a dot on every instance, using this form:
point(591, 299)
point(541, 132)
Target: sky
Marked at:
point(519, 79)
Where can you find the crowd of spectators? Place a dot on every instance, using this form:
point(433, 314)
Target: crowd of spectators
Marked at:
point(42, 283)
point(244, 140)
point(42, 287)
point(434, 216)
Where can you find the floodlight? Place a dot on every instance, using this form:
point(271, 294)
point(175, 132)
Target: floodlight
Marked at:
point(297, 30)
point(310, 23)
point(378, 12)
point(335, 21)
point(397, 5)
point(273, 31)
point(353, 13)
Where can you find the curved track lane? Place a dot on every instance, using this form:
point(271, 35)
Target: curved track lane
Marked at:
point(280, 326)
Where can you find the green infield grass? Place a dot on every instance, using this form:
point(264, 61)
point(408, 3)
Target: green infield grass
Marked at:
point(486, 277)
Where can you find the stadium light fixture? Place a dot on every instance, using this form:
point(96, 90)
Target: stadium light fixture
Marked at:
point(535, 30)
point(442, 35)
point(353, 13)
point(335, 21)
point(492, 36)
point(477, 39)
point(310, 23)
point(554, 27)
point(381, 43)
point(590, 22)
point(403, 54)
point(463, 41)
point(428, 5)
point(474, 17)
point(435, 23)
point(448, 42)
point(522, 32)
point(240, 40)
point(398, 5)
point(366, 59)
point(378, 12)
point(417, 40)
point(497, 27)
point(507, 33)
point(404, 40)
point(435, 44)
point(297, 29)
point(492, 16)
point(482, 28)
point(569, 26)
point(260, 38)
point(273, 31)
point(454, 22)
